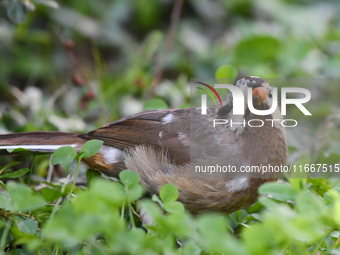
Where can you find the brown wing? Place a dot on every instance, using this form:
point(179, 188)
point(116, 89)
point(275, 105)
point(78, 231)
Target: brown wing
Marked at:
point(166, 130)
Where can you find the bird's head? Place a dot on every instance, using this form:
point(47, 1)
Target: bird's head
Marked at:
point(261, 92)
point(262, 99)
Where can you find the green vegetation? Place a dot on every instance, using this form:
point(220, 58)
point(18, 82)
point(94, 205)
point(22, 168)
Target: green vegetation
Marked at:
point(77, 65)
point(106, 218)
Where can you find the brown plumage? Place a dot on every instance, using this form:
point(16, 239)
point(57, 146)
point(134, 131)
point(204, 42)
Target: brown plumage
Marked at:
point(162, 146)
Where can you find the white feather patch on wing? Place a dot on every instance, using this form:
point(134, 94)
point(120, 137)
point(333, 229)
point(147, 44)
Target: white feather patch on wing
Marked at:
point(237, 184)
point(183, 139)
point(111, 155)
point(168, 118)
point(44, 148)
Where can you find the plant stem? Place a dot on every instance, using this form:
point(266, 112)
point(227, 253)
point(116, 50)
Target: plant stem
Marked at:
point(175, 15)
point(122, 211)
point(31, 170)
point(4, 235)
point(60, 199)
point(131, 215)
point(74, 181)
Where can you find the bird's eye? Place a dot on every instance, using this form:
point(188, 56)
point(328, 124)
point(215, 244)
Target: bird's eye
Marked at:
point(270, 94)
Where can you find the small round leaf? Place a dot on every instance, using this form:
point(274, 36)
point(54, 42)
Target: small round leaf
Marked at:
point(64, 155)
point(168, 193)
point(129, 178)
point(174, 207)
point(90, 148)
point(279, 191)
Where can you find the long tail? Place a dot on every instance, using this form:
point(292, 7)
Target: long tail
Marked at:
point(48, 142)
point(41, 141)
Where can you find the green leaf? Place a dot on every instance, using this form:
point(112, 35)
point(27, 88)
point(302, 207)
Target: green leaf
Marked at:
point(150, 208)
point(298, 183)
point(134, 192)
point(19, 150)
point(212, 225)
point(329, 159)
point(174, 207)
point(307, 203)
point(168, 193)
point(155, 104)
point(2, 184)
point(23, 198)
point(215, 235)
point(226, 71)
point(156, 199)
point(279, 191)
point(14, 163)
point(327, 199)
point(50, 195)
point(28, 226)
point(114, 191)
point(91, 175)
point(256, 50)
point(190, 247)
point(17, 252)
point(4, 202)
point(64, 155)
point(90, 148)
point(2, 223)
point(129, 178)
point(17, 11)
point(268, 203)
point(16, 174)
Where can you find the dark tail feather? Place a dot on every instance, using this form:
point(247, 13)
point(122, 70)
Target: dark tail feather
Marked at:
point(41, 141)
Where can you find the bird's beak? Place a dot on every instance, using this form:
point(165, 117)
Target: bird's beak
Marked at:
point(260, 94)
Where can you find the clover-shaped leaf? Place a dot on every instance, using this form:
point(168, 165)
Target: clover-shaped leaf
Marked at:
point(129, 178)
point(168, 193)
point(64, 155)
point(174, 207)
point(90, 148)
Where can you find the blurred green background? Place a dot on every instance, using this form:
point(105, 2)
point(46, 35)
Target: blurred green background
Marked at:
point(85, 63)
point(76, 65)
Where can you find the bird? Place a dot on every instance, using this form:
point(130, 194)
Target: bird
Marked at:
point(163, 146)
